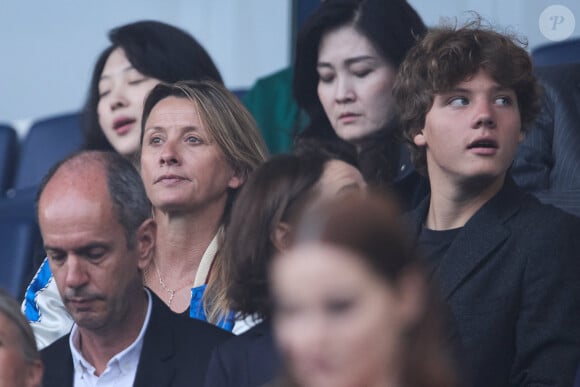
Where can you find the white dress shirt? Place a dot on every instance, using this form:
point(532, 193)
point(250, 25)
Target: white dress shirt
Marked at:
point(122, 367)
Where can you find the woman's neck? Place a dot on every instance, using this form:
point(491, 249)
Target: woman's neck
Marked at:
point(182, 242)
point(182, 239)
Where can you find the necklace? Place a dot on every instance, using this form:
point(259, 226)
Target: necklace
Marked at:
point(170, 292)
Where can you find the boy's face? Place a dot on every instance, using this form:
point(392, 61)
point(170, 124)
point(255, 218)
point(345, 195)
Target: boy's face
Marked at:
point(471, 133)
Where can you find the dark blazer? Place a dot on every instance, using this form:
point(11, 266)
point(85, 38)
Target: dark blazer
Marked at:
point(176, 351)
point(249, 360)
point(511, 279)
point(547, 163)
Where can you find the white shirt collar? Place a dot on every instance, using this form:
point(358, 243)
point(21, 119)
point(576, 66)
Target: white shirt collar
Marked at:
point(121, 366)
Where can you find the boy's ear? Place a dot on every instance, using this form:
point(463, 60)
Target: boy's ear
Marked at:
point(419, 139)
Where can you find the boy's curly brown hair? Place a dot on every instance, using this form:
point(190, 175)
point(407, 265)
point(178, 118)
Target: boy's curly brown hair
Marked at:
point(449, 55)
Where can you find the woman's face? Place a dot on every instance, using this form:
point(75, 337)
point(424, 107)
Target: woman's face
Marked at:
point(181, 164)
point(355, 84)
point(122, 91)
point(337, 323)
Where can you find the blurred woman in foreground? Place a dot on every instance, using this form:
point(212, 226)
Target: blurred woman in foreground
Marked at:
point(352, 305)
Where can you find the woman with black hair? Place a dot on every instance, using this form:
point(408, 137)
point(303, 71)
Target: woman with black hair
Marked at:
point(347, 55)
point(140, 55)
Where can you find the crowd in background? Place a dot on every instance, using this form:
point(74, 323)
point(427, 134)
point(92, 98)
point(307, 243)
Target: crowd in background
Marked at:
point(407, 217)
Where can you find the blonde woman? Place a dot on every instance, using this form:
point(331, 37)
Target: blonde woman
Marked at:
point(199, 144)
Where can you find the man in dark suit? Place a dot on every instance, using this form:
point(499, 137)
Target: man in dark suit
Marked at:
point(547, 163)
point(95, 220)
point(507, 265)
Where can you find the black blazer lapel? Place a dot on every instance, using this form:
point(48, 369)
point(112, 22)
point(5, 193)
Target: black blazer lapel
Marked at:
point(155, 365)
point(469, 251)
point(481, 235)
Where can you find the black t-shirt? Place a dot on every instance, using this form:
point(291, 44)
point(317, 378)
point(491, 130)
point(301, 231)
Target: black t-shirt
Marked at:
point(433, 245)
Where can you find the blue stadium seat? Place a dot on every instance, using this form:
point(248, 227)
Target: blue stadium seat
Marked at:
point(8, 156)
point(47, 142)
point(565, 52)
point(239, 93)
point(21, 243)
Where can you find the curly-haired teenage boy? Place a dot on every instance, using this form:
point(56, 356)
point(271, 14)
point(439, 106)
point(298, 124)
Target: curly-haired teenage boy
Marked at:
point(508, 266)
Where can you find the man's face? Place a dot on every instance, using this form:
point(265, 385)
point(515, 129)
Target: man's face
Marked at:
point(96, 273)
point(471, 133)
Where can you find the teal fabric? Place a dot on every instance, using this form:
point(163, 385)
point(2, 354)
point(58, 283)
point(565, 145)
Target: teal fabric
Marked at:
point(278, 117)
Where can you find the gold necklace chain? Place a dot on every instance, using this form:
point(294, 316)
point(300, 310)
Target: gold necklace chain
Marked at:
point(170, 292)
